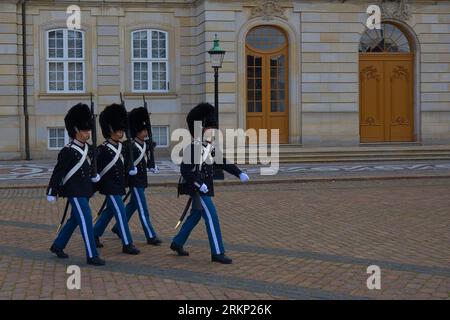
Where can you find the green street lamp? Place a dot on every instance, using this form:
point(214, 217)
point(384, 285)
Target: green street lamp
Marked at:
point(217, 54)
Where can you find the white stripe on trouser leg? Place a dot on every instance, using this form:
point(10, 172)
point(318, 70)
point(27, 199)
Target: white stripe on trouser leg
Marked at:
point(124, 235)
point(211, 226)
point(141, 211)
point(83, 227)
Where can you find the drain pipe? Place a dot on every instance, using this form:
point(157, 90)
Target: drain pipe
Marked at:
point(24, 79)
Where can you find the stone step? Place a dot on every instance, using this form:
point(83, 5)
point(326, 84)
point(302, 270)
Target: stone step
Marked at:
point(354, 159)
point(292, 154)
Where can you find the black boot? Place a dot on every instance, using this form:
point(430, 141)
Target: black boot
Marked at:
point(114, 230)
point(98, 244)
point(96, 261)
point(178, 249)
point(59, 252)
point(221, 258)
point(130, 249)
point(155, 241)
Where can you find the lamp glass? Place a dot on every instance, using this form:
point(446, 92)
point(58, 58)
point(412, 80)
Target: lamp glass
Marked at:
point(217, 59)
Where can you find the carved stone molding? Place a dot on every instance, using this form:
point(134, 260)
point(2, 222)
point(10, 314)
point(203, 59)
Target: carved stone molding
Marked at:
point(395, 9)
point(267, 9)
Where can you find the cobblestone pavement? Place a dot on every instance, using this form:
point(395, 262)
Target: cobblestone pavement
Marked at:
point(39, 172)
point(288, 241)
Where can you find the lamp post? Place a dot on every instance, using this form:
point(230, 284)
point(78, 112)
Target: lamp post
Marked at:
point(217, 54)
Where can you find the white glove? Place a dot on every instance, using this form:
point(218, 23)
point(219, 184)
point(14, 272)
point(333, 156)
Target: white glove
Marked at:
point(51, 199)
point(133, 171)
point(96, 178)
point(204, 188)
point(154, 170)
point(244, 177)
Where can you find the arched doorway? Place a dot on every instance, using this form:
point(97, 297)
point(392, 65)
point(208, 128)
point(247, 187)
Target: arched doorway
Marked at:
point(267, 80)
point(386, 79)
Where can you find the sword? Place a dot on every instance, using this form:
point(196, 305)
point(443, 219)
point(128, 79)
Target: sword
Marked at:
point(63, 217)
point(186, 208)
point(104, 205)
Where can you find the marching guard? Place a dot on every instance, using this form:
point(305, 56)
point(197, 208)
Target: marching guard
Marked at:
point(112, 167)
point(198, 183)
point(139, 127)
point(71, 178)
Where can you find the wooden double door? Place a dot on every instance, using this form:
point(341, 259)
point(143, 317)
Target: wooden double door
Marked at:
point(386, 97)
point(267, 92)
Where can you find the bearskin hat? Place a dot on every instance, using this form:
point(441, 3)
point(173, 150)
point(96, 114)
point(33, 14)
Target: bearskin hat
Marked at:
point(139, 120)
point(78, 118)
point(113, 118)
point(203, 112)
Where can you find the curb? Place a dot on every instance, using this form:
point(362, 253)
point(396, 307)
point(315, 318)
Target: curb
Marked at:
point(266, 181)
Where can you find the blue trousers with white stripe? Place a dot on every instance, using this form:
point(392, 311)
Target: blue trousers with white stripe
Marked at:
point(209, 214)
point(80, 216)
point(114, 207)
point(139, 203)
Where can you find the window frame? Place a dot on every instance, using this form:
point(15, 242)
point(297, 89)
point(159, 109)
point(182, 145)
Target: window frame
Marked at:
point(65, 60)
point(150, 60)
point(66, 138)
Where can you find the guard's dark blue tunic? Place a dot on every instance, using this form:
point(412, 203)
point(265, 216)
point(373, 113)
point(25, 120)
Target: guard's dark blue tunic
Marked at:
point(205, 174)
point(80, 184)
point(114, 180)
point(140, 179)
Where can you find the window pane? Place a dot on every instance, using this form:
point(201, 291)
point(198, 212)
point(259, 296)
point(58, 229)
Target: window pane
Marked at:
point(52, 143)
point(140, 44)
point(160, 135)
point(266, 38)
point(60, 143)
point(159, 76)
point(258, 106)
point(55, 44)
point(140, 73)
point(159, 45)
point(56, 76)
point(388, 39)
point(56, 137)
point(75, 76)
point(52, 133)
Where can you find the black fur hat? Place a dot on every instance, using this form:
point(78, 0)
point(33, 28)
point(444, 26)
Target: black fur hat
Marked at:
point(139, 120)
point(203, 112)
point(78, 118)
point(113, 118)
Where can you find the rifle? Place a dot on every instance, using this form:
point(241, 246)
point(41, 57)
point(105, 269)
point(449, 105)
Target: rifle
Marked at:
point(151, 143)
point(129, 137)
point(94, 141)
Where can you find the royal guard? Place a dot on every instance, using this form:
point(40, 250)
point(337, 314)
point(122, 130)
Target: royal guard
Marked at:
point(114, 173)
point(71, 178)
point(139, 129)
point(197, 170)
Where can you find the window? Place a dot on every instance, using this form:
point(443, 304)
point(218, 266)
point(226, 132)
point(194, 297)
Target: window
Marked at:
point(65, 61)
point(57, 138)
point(150, 66)
point(266, 38)
point(161, 135)
point(387, 39)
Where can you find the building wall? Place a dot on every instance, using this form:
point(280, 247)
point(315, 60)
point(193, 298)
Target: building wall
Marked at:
point(10, 87)
point(323, 58)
